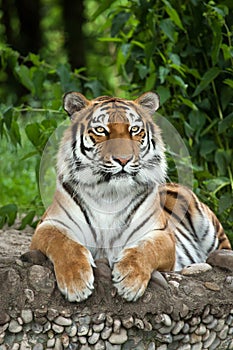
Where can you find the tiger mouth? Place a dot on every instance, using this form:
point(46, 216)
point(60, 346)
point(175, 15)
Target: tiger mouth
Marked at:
point(122, 174)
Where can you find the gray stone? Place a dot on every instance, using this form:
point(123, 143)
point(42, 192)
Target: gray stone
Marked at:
point(215, 344)
point(58, 344)
point(194, 338)
point(162, 347)
point(195, 321)
point(229, 320)
point(197, 346)
point(222, 258)
point(15, 346)
point(62, 321)
point(128, 322)
point(105, 334)
point(208, 342)
point(93, 338)
point(212, 286)
point(57, 329)
point(201, 329)
point(196, 269)
point(85, 347)
point(38, 347)
point(83, 330)
point(99, 318)
point(139, 323)
point(37, 328)
point(178, 327)
point(109, 320)
point(117, 326)
point(27, 315)
point(223, 334)
point(41, 279)
point(98, 327)
point(82, 340)
point(72, 330)
point(158, 279)
point(99, 345)
point(118, 338)
point(213, 324)
point(52, 313)
point(208, 319)
point(24, 345)
point(112, 347)
point(84, 320)
point(220, 325)
point(14, 327)
point(151, 346)
point(65, 340)
point(51, 343)
point(3, 347)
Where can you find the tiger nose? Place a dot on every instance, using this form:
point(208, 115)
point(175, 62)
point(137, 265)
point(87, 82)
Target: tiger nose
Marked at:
point(122, 160)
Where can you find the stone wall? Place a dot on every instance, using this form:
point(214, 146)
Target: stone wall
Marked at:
point(192, 309)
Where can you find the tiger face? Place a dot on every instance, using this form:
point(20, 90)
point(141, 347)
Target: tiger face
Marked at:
point(113, 140)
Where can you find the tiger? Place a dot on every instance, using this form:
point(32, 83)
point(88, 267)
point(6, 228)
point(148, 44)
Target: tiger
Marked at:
point(112, 201)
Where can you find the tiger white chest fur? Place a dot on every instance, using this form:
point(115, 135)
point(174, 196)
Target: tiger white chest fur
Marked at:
point(106, 219)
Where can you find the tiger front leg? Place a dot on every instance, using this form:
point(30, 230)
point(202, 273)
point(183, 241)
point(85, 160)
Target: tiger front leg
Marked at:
point(132, 270)
point(72, 262)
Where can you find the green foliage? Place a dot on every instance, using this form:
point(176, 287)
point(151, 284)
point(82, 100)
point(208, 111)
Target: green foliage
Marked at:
point(181, 49)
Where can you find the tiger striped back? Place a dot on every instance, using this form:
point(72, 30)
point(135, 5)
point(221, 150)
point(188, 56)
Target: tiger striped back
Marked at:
point(112, 201)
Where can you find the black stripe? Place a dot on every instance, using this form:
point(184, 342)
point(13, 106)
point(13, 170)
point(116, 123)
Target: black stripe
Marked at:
point(67, 213)
point(141, 225)
point(80, 203)
point(59, 222)
point(177, 218)
point(187, 253)
point(135, 208)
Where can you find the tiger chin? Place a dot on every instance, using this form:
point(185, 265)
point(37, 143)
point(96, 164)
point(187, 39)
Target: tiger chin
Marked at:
point(111, 201)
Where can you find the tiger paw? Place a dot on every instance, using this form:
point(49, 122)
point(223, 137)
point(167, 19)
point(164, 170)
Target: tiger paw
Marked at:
point(74, 276)
point(130, 275)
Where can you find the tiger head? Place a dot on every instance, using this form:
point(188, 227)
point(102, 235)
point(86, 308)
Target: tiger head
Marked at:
point(112, 140)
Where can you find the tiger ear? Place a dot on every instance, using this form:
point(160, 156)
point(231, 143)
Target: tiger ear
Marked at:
point(74, 102)
point(149, 101)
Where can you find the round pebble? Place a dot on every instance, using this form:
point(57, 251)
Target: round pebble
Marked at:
point(14, 327)
point(118, 338)
point(196, 269)
point(62, 321)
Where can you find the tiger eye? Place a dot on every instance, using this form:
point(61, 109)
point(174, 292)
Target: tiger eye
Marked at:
point(100, 129)
point(135, 128)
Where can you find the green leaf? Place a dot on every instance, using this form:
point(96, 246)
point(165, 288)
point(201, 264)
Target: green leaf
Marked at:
point(28, 219)
point(214, 185)
point(33, 132)
point(207, 78)
point(164, 94)
point(226, 123)
point(101, 8)
point(207, 147)
point(217, 41)
point(225, 202)
point(221, 161)
point(169, 29)
point(24, 75)
point(8, 214)
point(228, 82)
point(119, 21)
point(172, 13)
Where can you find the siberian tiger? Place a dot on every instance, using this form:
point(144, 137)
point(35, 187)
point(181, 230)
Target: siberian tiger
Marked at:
point(112, 201)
